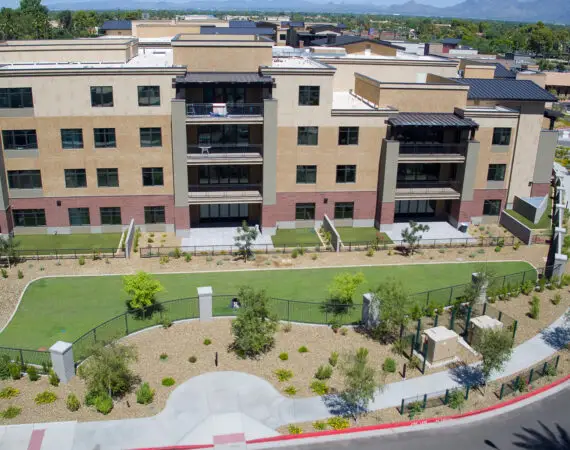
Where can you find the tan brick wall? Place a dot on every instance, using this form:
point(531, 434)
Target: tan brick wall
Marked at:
point(223, 59)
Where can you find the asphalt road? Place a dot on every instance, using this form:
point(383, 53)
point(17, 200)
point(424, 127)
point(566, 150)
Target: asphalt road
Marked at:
point(542, 425)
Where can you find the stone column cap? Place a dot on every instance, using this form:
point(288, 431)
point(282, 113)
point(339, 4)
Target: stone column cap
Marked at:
point(205, 290)
point(560, 257)
point(60, 347)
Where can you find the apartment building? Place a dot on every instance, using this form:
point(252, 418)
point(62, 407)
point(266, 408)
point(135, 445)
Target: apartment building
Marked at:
point(214, 129)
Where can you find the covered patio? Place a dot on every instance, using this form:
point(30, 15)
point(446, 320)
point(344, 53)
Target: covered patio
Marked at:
point(439, 233)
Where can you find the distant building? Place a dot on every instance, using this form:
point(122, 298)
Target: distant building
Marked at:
point(116, 28)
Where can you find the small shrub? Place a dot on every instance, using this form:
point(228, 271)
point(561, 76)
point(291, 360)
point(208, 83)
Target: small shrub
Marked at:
point(550, 285)
point(323, 372)
point(541, 284)
point(283, 375)
point(399, 347)
point(284, 356)
point(15, 371)
point(303, 349)
point(481, 251)
point(72, 403)
point(145, 395)
point(301, 251)
point(53, 378)
point(290, 390)
point(389, 365)
point(168, 381)
point(187, 257)
point(177, 253)
point(45, 397)
point(414, 409)
point(9, 392)
point(46, 366)
point(314, 256)
point(417, 312)
point(10, 412)
point(430, 310)
point(20, 274)
point(338, 423)
point(4, 273)
point(294, 253)
point(370, 252)
point(209, 259)
point(527, 287)
point(556, 299)
point(456, 399)
point(164, 259)
point(333, 359)
point(219, 262)
point(550, 370)
point(390, 253)
point(319, 425)
point(192, 359)
point(166, 323)
point(32, 373)
point(441, 250)
point(91, 397)
point(520, 384)
point(150, 240)
point(534, 310)
point(163, 356)
point(286, 327)
point(104, 404)
point(498, 249)
point(81, 260)
point(343, 331)
point(319, 387)
point(414, 363)
point(294, 429)
point(207, 341)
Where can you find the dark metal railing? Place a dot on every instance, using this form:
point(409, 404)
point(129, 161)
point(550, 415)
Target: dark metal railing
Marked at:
point(225, 150)
point(414, 148)
point(223, 109)
point(223, 187)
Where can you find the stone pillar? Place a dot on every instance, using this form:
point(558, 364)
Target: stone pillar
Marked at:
point(387, 184)
point(62, 360)
point(483, 293)
point(559, 268)
point(205, 303)
point(269, 165)
point(370, 312)
point(180, 168)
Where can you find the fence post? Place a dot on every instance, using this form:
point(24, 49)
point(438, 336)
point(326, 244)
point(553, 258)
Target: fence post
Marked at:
point(544, 367)
point(446, 399)
point(436, 320)
point(126, 324)
point(484, 308)
point(402, 408)
point(413, 345)
point(62, 360)
point(94, 334)
point(22, 362)
point(425, 402)
point(418, 328)
point(515, 326)
point(288, 311)
point(452, 320)
point(531, 373)
point(556, 363)
point(467, 319)
point(467, 392)
point(502, 391)
point(425, 361)
point(500, 316)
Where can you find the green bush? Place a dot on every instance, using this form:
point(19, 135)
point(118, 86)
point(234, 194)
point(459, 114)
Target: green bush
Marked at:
point(324, 372)
point(319, 425)
point(177, 253)
point(168, 381)
point(10, 412)
point(303, 349)
point(414, 363)
point(534, 310)
point(319, 387)
point(333, 359)
point(163, 356)
point(294, 429)
point(283, 374)
point(187, 257)
point(389, 365)
point(104, 404)
point(338, 423)
point(399, 347)
point(541, 284)
point(416, 312)
point(370, 252)
point(20, 274)
point(414, 409)
point(290, 390)
point(81, 260)
point(45, 397)
point(32, 373)
point(145, 395)
point(550, 370)
point(430, 310)
point(556, 299)
point(456, 399)
point(284, 356)
point(192, 359)
point(91, 398)
point(498, 249)
point(528, 287)
point(207, 341)
point(520, 384)
point(72, 403)
point(9, 392)
point(286, 327)
point(53, 378)
point(314, 256)
point(4, 273)
point(15, 371)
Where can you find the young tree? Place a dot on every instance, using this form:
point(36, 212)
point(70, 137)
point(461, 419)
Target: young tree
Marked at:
point(360, 382)
point(342, 290)
point(411, 236)
point(255, 326)
point(394, 306)
point(142, 289)
point(8, 249)
point(244, 240)
point(496, 349)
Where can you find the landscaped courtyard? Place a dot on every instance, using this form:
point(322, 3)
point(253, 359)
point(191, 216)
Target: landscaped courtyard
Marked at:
point(67, 243)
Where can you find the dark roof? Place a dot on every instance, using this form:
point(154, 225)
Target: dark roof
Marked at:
point(339, 41)
point(431, 120)
point(242, 24)
point(224, 77)
point(237, 31)
point(505, 89)
point(319, 28)
point(116, 25)
point(342, 26)
point(502, 72)
point(451, 41)
point(293, 24)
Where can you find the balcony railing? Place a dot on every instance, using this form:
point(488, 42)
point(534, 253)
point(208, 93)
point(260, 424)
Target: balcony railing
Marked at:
point(442, 184)
point(221, 110)
point(224, 193)
point(414, 148)
point(202, 188)
point(428, 189)
point(223, 150)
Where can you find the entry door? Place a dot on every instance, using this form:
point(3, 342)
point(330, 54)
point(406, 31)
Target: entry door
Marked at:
point(224, 213)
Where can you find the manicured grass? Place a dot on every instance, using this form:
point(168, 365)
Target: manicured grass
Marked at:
point(544, 222)
point(68, 242)
point(64, 308)
point(295, 237)
point(361, 235)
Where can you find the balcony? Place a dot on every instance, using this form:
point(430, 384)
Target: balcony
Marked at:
point(224, 112)
point(413, 152)
point(219, 154)
point(200, 194)
point(429, 190)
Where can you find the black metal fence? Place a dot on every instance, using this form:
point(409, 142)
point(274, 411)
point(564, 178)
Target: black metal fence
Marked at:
point(521, 382)
point(418, 403)
point(69, 253)
point(27, 357)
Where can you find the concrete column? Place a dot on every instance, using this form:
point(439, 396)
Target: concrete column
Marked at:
point(180, 167)
point(387, 183)
point(5, 214)
point(205, 295)
point(483, 293)
point(547, 143)
point(468, 171)
point(370, 312)
point(62, 360)
point(269, 152)
point(560, 261)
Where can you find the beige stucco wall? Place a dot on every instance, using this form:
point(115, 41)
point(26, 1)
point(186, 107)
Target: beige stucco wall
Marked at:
point(539, 78)
point(375, 48)
point(223, 59)
point(128, 156)
point(118, 32)
point(475, 71)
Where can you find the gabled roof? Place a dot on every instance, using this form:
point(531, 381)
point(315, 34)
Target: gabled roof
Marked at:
point(431, 120)
point(505, 89)
point(237, 31)
point(340, 41)
point(451, 41)
point(116, 25)
point(502, 72)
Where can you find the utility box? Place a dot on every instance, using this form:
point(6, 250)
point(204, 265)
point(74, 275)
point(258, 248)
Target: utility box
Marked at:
point(479, 324)
point(442, 344)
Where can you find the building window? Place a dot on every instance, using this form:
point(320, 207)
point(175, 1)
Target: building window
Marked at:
point(501, 136)
point(29, 217)
point(149, 95)
point(110, 215)
point(78, 217)
point(306, 174)
point(308, 136)
point(104, 137)
point(154, 214)
point(71, 138)
point(344, 210)
point(282, 37)
point(19, 139)
point(16, 98)
point(108, 177)
point(496, 172)
point(309, 95)
point(24, 179)
point(345, 174)
point(491, 207)
point(152, 176)
point(305, 211)
point(223, 175)
point(151, 137)
point(101, 96)
point(348, 136)
point(75, 178)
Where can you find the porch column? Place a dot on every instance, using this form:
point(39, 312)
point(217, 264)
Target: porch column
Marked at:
point(180, 168)
point(387, 184)
point(466, 175)
point(269, 166)
point(5, 214)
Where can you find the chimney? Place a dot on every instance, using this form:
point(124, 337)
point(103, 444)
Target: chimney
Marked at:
point(331, 38)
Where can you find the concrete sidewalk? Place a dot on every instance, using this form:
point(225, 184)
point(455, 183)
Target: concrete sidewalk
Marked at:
point(234, 402)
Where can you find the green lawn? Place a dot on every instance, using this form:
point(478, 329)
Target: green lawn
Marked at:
point(64, 308)
point(67, 242)
point(361, 235)
point(295, 237)
point(544, 222)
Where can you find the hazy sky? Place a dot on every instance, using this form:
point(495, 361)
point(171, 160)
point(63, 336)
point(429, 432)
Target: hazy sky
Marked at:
point(186, 3)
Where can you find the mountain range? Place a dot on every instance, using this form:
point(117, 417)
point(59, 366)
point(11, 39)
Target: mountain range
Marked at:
point(553, 11)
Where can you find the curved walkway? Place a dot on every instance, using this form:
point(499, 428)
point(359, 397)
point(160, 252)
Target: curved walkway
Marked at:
point(233, 402)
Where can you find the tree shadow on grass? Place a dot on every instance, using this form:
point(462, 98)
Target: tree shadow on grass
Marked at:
point(544, 439)
point(557, 337)
point(467, 375)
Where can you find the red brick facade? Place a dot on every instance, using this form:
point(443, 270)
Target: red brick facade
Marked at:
point(474, 208)
point(131, 207)
point(284, 209)
point(539, 189)
point(182, 217)
point(5, 222)
point(386, 213)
